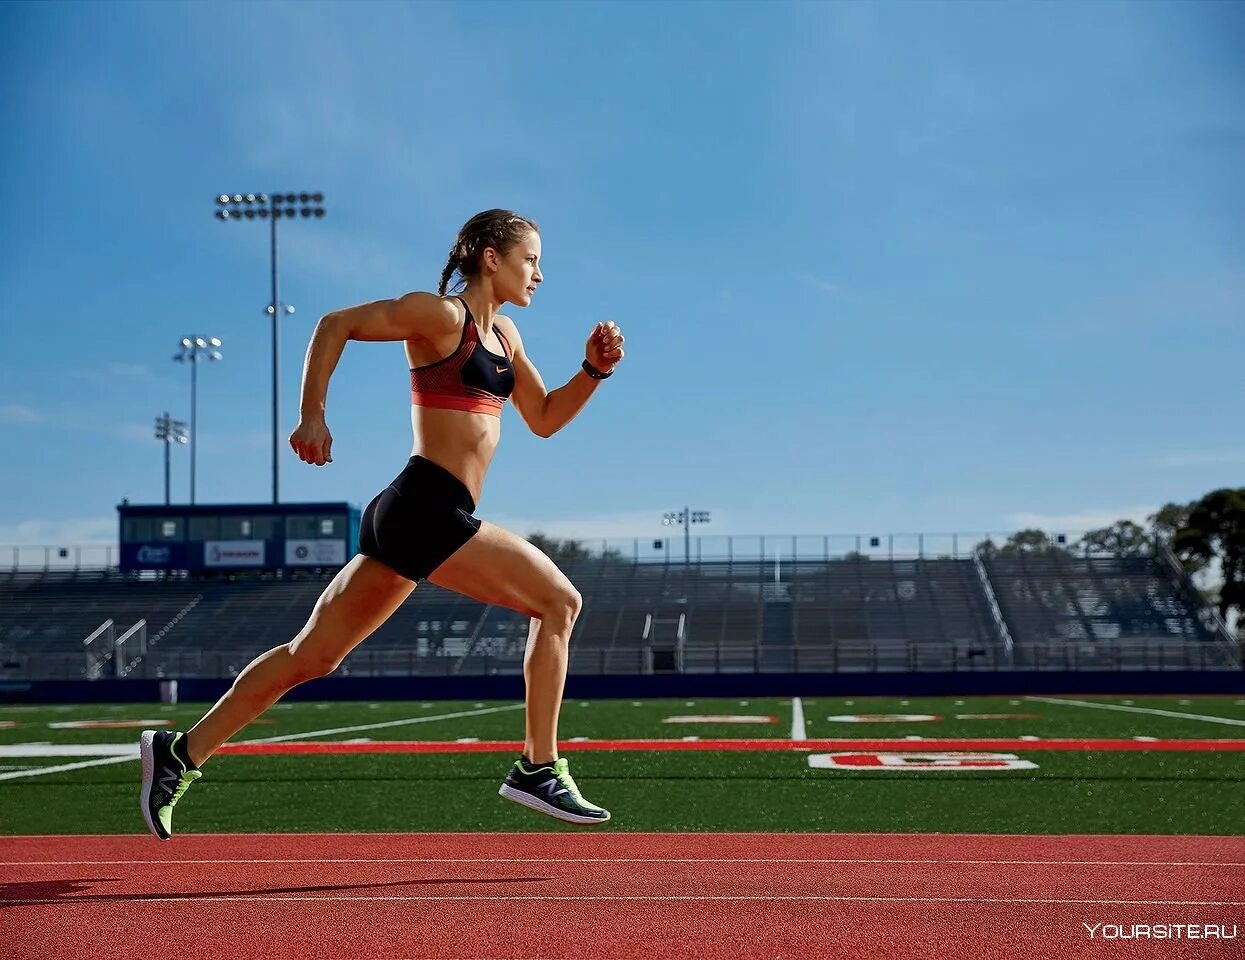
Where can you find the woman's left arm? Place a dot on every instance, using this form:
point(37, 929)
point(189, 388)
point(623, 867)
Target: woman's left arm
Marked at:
point(546, 413)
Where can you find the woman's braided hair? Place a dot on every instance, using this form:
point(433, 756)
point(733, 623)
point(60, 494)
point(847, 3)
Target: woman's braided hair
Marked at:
point(499, 229)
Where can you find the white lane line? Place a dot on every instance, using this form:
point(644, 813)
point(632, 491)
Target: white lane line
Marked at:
point(1150, 710)
point(1019, 863)
point(208, 898)
point(62, 768)
point(797, 720)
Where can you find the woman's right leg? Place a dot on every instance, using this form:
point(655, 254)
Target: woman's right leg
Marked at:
point(362, 596)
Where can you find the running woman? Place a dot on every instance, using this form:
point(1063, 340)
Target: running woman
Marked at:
point(466, 359)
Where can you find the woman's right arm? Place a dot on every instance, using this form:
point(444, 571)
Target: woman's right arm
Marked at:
point(413, 316)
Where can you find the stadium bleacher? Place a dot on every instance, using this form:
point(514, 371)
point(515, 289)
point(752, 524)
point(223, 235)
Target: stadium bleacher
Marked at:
point(1049, 610)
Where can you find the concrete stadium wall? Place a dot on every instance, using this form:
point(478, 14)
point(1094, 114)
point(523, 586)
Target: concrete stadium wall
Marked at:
point(686, 685)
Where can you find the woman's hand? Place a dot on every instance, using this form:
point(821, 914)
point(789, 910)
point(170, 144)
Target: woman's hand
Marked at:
point(312, 442)
point(605, 347)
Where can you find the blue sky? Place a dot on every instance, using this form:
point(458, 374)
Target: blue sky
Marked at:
point(881, 267)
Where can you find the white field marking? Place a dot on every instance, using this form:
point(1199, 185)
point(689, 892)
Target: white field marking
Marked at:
point(65, 767)
point(385, 724)
point(1150, 710)
point(843, 860)
point(201, 898)
point(69, 750)
point(62, 768)
point(798, 731)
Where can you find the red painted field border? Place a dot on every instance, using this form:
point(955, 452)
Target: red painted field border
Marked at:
point(941, 743)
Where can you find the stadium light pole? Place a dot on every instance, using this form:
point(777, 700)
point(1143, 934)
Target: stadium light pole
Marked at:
point(170, 431)
point(687, 516)
point(272, 207)
point(192, 349)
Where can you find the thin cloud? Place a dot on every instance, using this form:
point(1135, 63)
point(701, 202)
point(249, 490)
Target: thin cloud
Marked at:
point(825, 286)
point(76, 531)
point(644, 524)
point(1085, 520)
point(20, 413)
point(1198, 458)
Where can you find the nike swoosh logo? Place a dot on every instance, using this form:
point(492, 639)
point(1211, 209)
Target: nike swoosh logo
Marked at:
point(502, 369)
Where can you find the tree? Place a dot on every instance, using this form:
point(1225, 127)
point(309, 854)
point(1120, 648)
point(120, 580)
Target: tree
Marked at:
point(570, 551)
point(1215, 529)
point(1122, 539)
point(1169, 518)
point(1023, 542)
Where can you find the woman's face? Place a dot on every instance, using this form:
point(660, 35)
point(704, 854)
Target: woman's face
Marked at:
point(518, 272)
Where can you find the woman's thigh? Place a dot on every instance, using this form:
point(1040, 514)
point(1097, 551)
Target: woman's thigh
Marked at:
point(496, 566)
point(362, 596)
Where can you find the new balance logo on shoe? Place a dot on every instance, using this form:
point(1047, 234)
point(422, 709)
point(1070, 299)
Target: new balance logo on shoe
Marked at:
point(551, 787)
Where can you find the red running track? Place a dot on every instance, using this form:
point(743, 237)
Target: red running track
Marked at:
point(615, 895)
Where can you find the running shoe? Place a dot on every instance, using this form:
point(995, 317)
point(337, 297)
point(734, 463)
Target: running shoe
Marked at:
point(165, 779)
point(549, 788)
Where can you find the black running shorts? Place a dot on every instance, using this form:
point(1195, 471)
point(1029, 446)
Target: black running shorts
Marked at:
point(419, 520)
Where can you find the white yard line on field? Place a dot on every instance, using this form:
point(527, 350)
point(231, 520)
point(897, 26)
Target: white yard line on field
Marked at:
point(797, 719)
point(1154, 711)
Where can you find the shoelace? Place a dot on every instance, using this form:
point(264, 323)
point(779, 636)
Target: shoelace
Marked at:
point(563, 773)
point(186, 779)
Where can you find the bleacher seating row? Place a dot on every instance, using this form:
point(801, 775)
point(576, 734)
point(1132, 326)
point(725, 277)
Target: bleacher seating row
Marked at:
point(1047, 611)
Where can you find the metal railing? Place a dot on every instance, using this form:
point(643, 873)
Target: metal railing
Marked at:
point(659, 548)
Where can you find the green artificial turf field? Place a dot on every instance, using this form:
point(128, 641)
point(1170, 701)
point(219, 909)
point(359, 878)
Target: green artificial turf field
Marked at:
point(700, 787)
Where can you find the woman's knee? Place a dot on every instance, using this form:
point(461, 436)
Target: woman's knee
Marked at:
point(310, 664)
point(563, 604)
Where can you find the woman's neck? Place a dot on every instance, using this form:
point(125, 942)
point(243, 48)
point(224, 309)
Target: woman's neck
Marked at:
point(482, 306)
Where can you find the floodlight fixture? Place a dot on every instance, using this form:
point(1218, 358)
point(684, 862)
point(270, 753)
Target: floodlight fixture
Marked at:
point(686, 517)
point(169, 431)
point(272, 207)
point(192, 349)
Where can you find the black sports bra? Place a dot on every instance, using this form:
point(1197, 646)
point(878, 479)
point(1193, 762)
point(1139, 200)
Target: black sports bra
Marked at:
point(472, 378)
